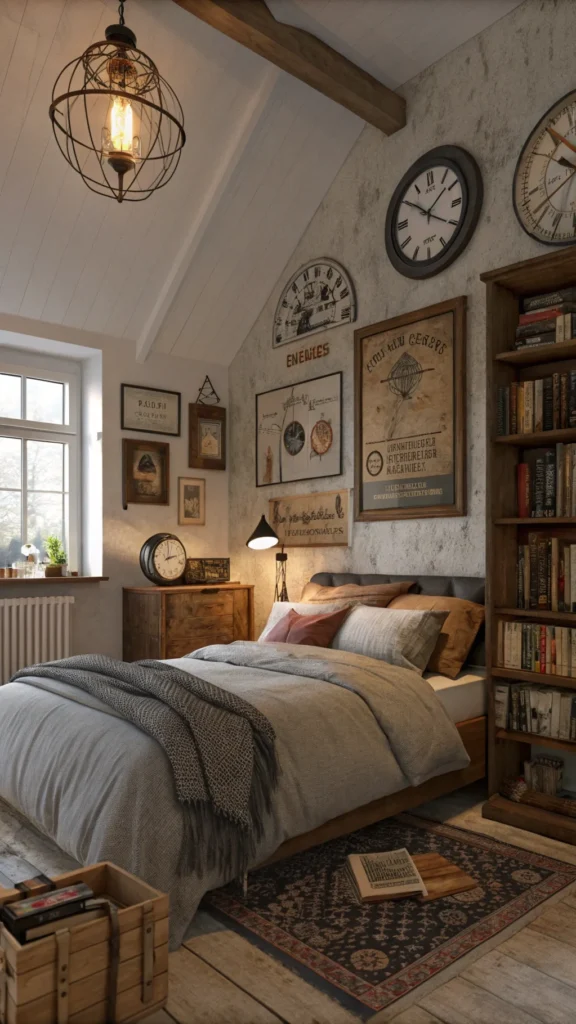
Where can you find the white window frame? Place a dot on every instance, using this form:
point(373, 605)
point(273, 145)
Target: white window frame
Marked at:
point(62, 372)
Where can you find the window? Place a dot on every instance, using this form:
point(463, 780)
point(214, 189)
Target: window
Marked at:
point(39, 457)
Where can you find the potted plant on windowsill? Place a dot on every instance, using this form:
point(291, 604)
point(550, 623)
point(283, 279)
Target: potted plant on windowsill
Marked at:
point(56, 556)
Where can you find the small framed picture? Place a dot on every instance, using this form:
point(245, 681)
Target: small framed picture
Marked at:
point(207, 440)
point(150, 410)
point(191, 501)
point(145, 472)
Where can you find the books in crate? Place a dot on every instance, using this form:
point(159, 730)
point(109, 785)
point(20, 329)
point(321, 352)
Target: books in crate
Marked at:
point(546, 482)
point(546, 574)
point(532, 647)
point(530, 406)
point(537, 710)
point(547, 319)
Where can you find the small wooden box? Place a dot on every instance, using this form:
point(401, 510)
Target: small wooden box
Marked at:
point(32, 982)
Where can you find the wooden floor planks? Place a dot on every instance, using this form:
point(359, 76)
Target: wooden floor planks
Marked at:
point(526, 988)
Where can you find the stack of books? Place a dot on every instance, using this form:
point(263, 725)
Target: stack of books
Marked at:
point(547, 319)
point(546, 482)
point(530, 406)
point(538, 710)
point(531, 647)
point(546, 574)
point(544, 774)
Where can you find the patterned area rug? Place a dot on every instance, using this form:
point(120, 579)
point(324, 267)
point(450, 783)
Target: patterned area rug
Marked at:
point(303, 911)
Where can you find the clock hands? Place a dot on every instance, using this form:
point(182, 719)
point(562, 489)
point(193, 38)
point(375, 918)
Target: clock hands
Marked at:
point(557, 189)
point(435, 201)
point(560, 138)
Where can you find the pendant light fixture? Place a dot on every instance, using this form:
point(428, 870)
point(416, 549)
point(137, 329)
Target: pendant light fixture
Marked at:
point(265, 537)
point(116, 120)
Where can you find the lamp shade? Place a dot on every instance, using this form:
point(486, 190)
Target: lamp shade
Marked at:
point(263, 536)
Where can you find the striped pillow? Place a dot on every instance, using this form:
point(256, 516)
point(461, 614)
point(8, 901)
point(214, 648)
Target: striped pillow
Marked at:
point(404, 638)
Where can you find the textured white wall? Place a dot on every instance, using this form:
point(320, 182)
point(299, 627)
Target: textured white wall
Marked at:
point(484, 96)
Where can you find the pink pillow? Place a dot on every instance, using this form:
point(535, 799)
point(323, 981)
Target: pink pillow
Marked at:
point(279, 634)
point(312, 630)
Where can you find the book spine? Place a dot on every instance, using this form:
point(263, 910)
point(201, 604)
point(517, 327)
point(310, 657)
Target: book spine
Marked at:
point(563, 400)
point(540, 327)
point(572, 399)
point(543, 604)
point(550, 483)
point(535, 315)
point(528, 395)
point(501, 423)
point(554, 575)
point(548, 404)
point(549, 300)
point(559, 479)
point(534, 340)
point(533, 547)
point(573, 577)
point(524, 509)
point(555, 401)
point(538, 405)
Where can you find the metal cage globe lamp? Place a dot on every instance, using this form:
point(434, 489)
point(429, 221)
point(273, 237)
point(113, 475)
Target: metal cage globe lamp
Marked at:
point(117, 121)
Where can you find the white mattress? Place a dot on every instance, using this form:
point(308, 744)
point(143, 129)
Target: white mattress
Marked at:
point(463, 697)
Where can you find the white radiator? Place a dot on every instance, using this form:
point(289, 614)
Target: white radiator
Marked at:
point(33, 629)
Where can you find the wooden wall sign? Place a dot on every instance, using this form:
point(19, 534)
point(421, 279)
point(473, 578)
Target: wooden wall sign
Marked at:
point(312, 520)
point(306, 354)
point(410, 391)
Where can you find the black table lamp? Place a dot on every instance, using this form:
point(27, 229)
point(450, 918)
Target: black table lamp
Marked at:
point(265, 537)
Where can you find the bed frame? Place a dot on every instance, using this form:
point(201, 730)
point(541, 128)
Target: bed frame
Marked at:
point(472, 731)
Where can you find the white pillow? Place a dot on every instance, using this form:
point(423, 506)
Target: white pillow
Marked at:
point(400, 637)
point(281, 608)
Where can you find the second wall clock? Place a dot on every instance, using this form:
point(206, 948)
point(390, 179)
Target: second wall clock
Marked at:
point(433, 212)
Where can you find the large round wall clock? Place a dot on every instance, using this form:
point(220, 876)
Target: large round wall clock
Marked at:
point(318, 296)
point(163, 559)
point(433, 212)
point(545, 177)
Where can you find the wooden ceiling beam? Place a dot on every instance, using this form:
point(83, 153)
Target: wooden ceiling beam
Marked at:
point(301, 54)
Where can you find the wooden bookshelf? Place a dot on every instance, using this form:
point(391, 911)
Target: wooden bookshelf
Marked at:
point(505, 288)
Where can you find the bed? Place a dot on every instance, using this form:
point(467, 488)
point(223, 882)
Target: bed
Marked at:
point(102, 789)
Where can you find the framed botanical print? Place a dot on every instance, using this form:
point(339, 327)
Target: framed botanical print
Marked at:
point(299, 431)
point(410, 392)
point(150, 410)
point(207, 437)
point(191, 501)
point(145, 472)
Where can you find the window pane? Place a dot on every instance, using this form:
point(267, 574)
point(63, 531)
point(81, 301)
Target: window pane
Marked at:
point(10, 395)
point(45, 465)
point(44, 519)
point(10, 527)
point(44, 400)
point(10, 463)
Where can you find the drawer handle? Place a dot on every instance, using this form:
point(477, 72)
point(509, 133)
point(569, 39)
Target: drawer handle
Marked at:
point(209, 590)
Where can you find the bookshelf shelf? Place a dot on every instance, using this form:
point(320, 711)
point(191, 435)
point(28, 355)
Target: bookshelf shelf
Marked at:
point(505, 289)
point(541, 741)
point(543, 437)
point(536, 678)
point(539, 354)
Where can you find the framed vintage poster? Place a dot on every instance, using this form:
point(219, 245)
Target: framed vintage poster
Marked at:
point(312, 520)
point(207, 436)
point(410, 387)
point(145, 472)
point(191, 501)
point(299, 431)
point(150, 410)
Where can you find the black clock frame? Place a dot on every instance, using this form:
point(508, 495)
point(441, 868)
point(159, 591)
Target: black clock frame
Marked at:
point(538, 238)
point(147, 560)
point(465, 167)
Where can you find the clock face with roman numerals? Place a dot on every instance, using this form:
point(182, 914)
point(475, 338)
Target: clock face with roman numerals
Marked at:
point(545, 177)
point(320, 295)
point(433, 212)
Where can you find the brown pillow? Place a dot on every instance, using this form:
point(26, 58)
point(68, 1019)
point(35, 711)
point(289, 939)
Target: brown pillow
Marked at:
point(378, 594)
point(279, 633)
point(313, 630)
point(458, 632)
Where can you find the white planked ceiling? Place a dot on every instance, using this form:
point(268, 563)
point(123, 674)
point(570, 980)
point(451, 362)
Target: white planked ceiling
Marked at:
point(189, 270)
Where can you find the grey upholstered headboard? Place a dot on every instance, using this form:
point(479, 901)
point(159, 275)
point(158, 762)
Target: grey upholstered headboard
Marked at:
point(471, 588)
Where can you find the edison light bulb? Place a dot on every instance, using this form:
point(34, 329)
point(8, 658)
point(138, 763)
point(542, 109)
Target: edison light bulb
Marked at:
point(121, 125)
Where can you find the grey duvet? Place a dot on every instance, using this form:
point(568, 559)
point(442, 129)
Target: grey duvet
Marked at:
point(349, 730)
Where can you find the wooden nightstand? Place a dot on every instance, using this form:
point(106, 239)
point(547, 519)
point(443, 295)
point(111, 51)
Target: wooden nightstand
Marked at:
point(169, 622)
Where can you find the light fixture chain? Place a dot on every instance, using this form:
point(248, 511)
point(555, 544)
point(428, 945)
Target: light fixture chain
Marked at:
point(121, 12)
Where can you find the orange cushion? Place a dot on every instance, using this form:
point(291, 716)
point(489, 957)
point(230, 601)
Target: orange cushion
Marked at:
point(458, 632)
point(379, 594)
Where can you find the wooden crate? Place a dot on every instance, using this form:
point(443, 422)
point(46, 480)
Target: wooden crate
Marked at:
point(37, 992)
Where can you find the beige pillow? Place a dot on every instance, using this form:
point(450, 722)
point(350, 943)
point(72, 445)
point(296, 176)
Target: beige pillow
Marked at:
point(458, 632)
point(378, 594)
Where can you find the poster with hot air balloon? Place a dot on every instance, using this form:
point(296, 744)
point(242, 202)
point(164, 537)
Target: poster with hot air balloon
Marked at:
point(410, 415)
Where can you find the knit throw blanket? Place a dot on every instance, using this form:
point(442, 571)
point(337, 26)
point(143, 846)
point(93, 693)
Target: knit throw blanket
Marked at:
point(221, 750)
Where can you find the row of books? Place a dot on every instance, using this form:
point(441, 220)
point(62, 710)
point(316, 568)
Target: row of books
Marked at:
point(533, 647)
point(547, 319)
point(546, 482)
point(530, 406)
point(544, 774)
point(538, 710)
point(546, 574)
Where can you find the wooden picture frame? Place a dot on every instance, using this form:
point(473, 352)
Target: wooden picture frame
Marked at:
point(206, 436)
point(299, 431)
point(145, 472)
point(191, 506)
point(158, 417)
point(421, 356)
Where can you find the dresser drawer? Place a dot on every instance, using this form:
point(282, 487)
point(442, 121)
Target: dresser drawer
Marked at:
point(196, 614)
point(183, 645)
